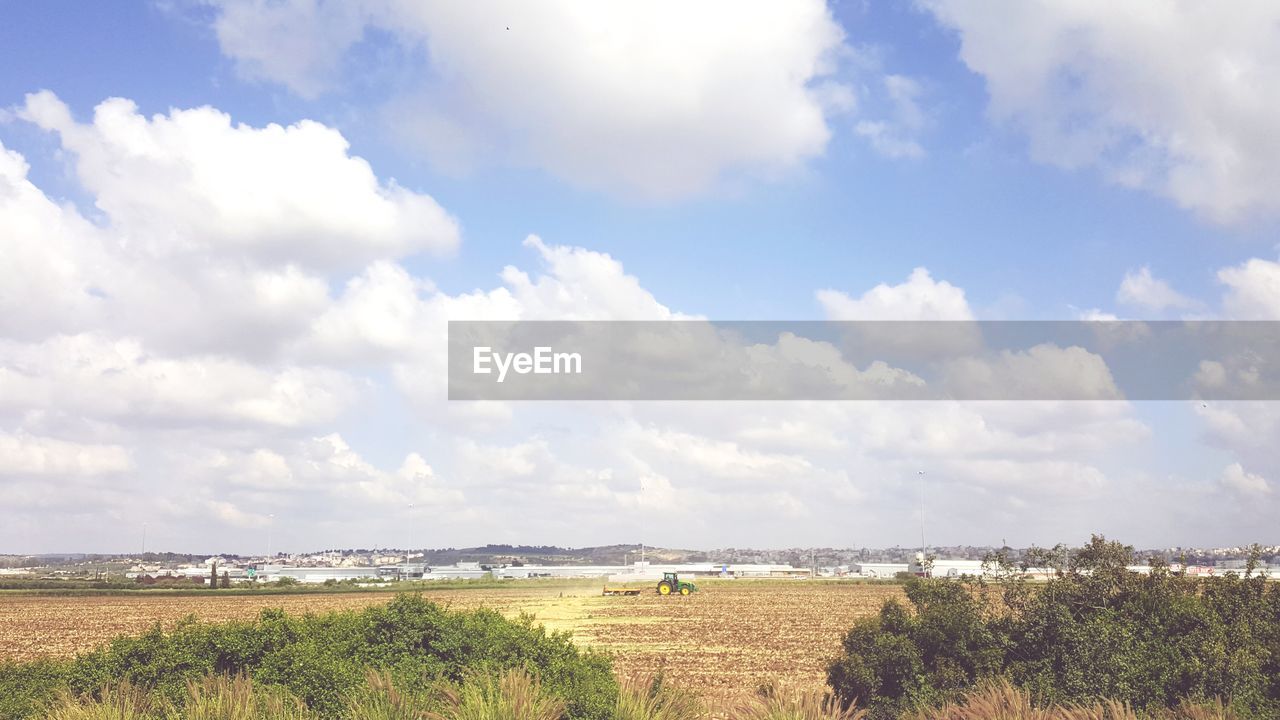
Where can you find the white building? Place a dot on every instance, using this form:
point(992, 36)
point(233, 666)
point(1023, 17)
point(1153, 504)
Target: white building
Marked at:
point(878, 569)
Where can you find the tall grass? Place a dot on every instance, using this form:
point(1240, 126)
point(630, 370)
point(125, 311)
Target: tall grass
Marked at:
point(380, 699)
point(651, 698)
point(790, 704)
point(124, 702)
point(1003, 701)
point(515, 695)
point(222, 697)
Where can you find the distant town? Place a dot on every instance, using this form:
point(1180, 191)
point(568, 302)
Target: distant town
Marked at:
point(615, 563)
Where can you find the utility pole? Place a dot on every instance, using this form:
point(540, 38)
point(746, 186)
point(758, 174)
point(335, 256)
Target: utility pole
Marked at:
point(923, 548)
point(271, 518)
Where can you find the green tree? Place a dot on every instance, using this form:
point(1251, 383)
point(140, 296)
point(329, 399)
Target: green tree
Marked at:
point(1096, 630)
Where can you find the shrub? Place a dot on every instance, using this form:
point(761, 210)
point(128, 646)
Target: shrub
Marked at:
point(24, 687)
point(322, 659)
point(1095, 631)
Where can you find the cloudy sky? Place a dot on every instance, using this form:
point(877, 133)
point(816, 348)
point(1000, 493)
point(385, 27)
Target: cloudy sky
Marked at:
point(232, 232)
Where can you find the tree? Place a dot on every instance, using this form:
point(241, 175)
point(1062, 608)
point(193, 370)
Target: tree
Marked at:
point(1095, 630)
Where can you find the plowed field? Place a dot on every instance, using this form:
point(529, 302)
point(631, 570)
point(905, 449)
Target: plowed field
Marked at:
point(722, 641)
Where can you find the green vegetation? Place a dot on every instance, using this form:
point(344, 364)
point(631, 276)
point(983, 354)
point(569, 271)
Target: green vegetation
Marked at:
point(1095, 632)
point(1096, 642)
point(323, 659)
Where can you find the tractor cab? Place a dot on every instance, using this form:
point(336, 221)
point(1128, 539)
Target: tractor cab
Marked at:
point(671, 584)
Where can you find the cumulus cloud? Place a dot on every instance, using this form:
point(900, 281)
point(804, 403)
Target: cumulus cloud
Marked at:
point(1237, 480)
point(1042, 372)
point(660, 100)
point(1253, 290)
point(1143, 290)
point(1172, 97)
point(199, 184)
point(920, 297)
point(226, 379)
point(28, 455)
point(105, 377)
point(53, 259)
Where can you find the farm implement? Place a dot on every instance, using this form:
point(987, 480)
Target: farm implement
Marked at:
point(670, 584)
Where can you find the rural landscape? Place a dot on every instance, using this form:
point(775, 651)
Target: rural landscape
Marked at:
point(639, 360)
point(722, 642)
point(1169, 644)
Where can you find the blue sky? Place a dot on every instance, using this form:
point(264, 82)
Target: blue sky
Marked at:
point(1041, 185)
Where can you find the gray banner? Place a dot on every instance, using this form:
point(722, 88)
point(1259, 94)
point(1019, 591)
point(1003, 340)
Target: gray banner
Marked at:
point(820, 360)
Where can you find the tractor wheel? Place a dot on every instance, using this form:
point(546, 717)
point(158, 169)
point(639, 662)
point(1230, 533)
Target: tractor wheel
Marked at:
point(684, 590)
point(664, 588)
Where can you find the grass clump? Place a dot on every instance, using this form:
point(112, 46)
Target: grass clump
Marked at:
point(652, 698)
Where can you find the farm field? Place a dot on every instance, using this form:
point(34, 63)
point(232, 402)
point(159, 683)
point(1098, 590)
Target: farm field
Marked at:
point(723, 641)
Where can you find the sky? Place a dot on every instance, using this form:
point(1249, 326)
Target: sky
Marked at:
point(232, 233)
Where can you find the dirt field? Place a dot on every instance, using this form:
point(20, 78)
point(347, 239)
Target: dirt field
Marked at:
point(723, 641)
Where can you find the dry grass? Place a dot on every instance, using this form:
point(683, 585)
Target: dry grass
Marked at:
point(1002, 701)
point(795, 704)
point(650, 698)
point(516, 695)
point(122, 703)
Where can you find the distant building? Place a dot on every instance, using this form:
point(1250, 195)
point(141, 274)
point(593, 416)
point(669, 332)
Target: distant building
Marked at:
point(878, 569)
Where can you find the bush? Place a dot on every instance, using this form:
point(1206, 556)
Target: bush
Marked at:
point(25, 686)
point(1095, 631)
point(323, 659)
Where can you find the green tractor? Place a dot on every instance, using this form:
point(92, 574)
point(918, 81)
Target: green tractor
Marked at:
point(670, 585)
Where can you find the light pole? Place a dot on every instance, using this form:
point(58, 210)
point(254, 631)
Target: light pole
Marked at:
point(923, 549)
point(409, 553)
point(271, 519)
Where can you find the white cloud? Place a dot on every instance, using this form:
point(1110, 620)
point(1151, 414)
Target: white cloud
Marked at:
point(660, 100)
point(296, 42)
point(1042, 372)
point(1235, 479)
point(230, 514)
point(1173, 97)
point(896, 136)
point(1143, 290)
point(920, 297)
point(1253, 290)
point(23, 454)
point(103, 377)
point(886, 141)
point(214, 368)
point(199, 185)
point(53, 259)
point(331, 461)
